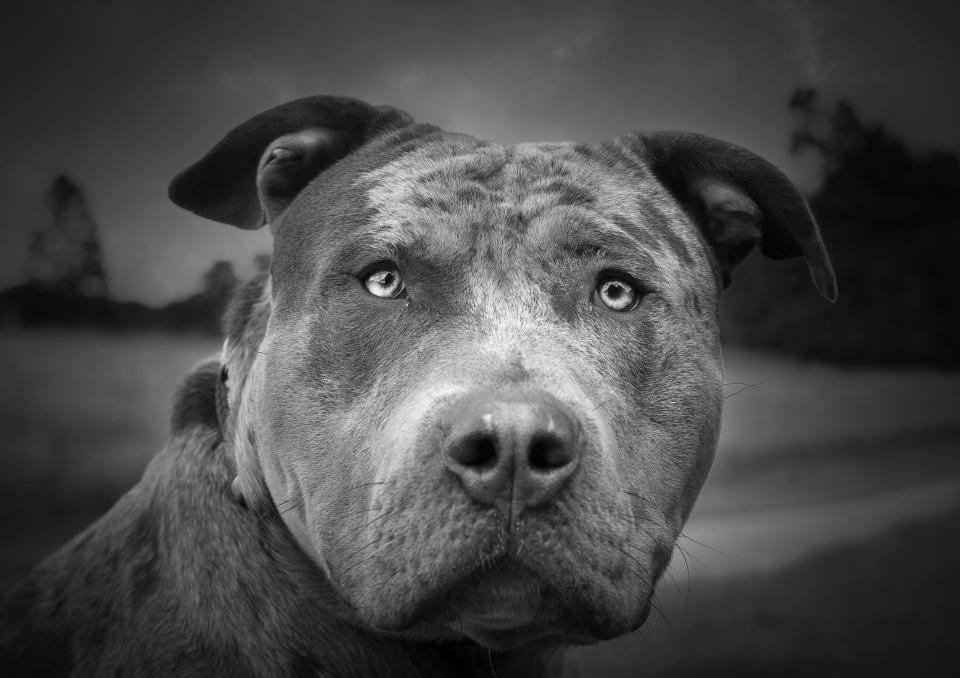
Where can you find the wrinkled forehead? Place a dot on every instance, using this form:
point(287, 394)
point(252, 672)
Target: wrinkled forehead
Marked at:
point(447, 195)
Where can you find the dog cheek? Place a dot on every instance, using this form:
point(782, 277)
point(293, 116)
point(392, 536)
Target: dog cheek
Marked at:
point(328, 417)
point(684, 405)
point(664, 408)
point(282, 433)
point(314, 469)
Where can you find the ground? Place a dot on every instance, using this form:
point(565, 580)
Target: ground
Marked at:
point(826, 540)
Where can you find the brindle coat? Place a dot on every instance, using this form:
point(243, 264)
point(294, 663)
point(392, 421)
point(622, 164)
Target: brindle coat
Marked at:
point(311, 524)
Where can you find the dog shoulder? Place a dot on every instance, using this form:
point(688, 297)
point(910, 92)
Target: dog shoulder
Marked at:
point(65, 614)
point(86, 608)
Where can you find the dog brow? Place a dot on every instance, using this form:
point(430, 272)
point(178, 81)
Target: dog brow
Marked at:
point(395, 241)
point(585, 229)
point(388, 238)
point(616, 248)
point(603, 242)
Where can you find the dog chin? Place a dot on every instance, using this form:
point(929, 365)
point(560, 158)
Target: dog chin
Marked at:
point(502, 607)
point(506, 606)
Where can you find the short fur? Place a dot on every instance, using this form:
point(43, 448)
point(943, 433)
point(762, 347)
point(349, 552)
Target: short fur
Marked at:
point(311, 526)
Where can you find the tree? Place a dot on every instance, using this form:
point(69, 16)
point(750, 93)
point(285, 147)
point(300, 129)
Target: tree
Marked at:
point(65, 255)
point(891, 221)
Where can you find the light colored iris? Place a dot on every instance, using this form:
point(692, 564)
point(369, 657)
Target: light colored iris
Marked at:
point(618, 295)
point(384, 283)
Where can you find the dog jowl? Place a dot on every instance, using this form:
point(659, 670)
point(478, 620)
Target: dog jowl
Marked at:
point(480, 389)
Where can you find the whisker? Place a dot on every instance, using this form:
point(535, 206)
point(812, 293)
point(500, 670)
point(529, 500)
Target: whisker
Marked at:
point(274, 507)
point(653, 600)
point(373, 520)
point(687, 553)
point(759, 383)
point(686, 565)
point(490, 661)
point(700, 543)
point(645, 580)
point(676, 584)
point(653, 604)
point(357, 551)
point(375, 482)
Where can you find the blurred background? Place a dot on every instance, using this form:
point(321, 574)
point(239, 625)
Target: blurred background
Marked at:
point(827, 539)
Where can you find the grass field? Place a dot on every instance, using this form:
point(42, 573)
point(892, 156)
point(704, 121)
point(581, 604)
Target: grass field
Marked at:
point(825, 542)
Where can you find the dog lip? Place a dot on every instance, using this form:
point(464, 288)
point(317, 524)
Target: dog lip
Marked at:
point(502, 596)
point(494, 620)
point(508, 637)
point(504, 604)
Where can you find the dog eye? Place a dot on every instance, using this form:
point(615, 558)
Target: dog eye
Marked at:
point(618, 294)
point(385, 283)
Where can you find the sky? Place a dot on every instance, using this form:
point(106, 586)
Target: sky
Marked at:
point(122, 94)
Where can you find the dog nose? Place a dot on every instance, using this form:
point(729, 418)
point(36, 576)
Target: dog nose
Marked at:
point(512, 451)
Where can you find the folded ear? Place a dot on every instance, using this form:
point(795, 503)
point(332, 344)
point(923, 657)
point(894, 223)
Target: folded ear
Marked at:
point(254, 172)
point(739, 201)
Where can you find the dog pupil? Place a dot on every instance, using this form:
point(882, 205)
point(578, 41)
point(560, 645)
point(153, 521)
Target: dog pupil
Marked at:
point(385, 279)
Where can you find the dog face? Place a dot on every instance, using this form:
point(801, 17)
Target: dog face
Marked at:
point(483, 389)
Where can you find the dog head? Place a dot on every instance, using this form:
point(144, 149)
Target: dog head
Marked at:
point(482, 385)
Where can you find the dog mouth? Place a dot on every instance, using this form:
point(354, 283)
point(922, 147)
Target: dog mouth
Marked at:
point(503, 602)
point(502, 606)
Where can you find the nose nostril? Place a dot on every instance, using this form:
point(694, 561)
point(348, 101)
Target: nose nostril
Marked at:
point(511, 450)
point(476, 452)
point(547, 453)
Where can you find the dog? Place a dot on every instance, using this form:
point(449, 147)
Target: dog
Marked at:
point(456, 428)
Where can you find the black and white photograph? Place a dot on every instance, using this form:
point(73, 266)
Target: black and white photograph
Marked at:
point(484, 339)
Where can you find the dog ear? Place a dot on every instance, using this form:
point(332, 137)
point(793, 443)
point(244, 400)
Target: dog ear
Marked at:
point(254, 172)
point(739, 200)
